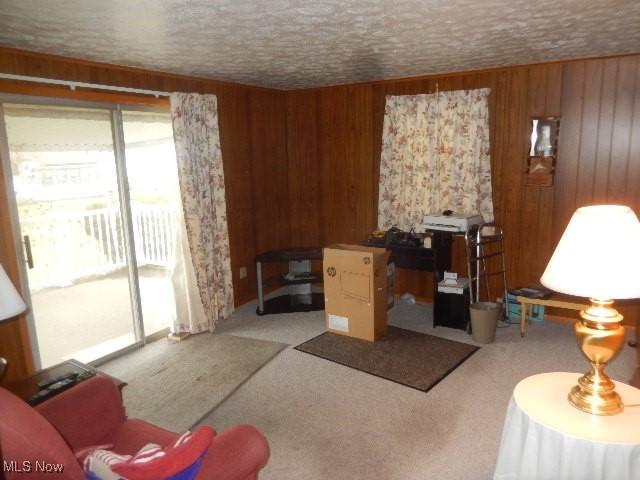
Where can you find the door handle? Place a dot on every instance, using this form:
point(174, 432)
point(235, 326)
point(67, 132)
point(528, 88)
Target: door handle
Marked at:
point(27, 249)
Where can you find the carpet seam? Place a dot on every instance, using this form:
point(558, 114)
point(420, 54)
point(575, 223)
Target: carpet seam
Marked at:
point(226, 397)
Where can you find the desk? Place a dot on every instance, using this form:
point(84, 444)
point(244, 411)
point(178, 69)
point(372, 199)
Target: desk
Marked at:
point(545, 437)
point(435, 259)
point(558, 302)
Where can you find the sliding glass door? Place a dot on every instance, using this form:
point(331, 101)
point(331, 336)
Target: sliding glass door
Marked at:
point(97, 224)
point(154, 200)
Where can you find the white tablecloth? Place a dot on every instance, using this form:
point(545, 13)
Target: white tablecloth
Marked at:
point(545, 437)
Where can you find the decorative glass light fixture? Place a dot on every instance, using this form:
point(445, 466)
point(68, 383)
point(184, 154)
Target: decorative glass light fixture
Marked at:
point(543, 146)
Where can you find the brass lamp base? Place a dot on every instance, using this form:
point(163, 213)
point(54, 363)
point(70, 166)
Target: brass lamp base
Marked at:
point(596, 395)
point(600, 337)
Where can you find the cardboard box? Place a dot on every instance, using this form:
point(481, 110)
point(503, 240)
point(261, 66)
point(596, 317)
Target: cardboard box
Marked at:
point(355, 290)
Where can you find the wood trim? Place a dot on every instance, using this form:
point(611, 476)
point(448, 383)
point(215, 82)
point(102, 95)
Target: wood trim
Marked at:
point(449, 74)
point(224, 83)
point(126, 69)
point(635, 380)
point(14, 337)
point(41, 90)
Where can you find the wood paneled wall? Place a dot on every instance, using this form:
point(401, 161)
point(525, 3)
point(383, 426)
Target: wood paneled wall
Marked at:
point(302, 166)
point(253, 138)
point(334, 135)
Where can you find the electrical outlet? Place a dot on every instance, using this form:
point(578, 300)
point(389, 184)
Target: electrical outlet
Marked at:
point(243, 272)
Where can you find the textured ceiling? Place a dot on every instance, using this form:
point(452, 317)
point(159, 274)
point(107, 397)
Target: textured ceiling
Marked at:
point(306, 43)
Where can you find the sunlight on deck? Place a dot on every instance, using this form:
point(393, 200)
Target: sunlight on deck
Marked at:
point(91, 319)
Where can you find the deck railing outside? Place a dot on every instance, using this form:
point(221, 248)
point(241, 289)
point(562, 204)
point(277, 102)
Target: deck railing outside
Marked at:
point(68, 247)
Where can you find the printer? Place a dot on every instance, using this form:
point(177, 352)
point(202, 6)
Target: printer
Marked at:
point(451, 222)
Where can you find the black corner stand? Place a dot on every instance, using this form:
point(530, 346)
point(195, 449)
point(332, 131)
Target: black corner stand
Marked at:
point(298, 281)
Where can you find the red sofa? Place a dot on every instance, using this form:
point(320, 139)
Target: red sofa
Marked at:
point(90, 414)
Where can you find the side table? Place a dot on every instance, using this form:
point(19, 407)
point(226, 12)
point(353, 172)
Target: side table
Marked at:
point(545, 437)
point(26, 387)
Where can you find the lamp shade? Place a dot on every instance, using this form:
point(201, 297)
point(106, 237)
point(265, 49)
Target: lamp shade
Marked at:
point(598, 255)
point(11, 303)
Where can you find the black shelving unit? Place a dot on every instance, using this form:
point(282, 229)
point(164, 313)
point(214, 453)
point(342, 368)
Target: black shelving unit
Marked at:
point(312, 277)
point(299, 280)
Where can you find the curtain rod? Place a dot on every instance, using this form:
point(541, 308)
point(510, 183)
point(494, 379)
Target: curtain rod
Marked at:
point(74, 85)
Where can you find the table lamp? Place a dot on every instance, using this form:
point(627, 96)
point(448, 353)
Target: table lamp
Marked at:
point(598, 257)
point(11, 304)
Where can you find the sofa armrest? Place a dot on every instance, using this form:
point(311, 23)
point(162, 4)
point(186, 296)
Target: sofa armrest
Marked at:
point(86, 413)
point(238, 453)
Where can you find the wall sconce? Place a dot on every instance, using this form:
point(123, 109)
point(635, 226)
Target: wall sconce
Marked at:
point(543, 148)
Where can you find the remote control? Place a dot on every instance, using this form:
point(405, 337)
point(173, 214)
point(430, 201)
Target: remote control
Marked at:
point(51, 390)
point(45, 383)
point(59, 386)
point(84, 375)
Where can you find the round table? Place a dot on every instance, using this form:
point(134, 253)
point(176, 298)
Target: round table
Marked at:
point(545, 437)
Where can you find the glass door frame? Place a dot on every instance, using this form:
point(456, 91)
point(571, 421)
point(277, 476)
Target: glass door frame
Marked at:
point(117, 130)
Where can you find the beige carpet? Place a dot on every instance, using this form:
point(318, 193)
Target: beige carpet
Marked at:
point(327, 421)
point(174, 385)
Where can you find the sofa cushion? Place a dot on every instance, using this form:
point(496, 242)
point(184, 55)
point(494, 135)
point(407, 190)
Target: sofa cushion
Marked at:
point(30, 442)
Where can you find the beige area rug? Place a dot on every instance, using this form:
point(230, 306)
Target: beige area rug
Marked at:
point(174, 385)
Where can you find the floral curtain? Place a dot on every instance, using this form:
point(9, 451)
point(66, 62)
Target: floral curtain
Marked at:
point(435, 157)
point(201, 178)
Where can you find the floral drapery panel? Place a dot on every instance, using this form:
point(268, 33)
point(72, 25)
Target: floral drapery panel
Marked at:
point(201, 177)
point(435, 157)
